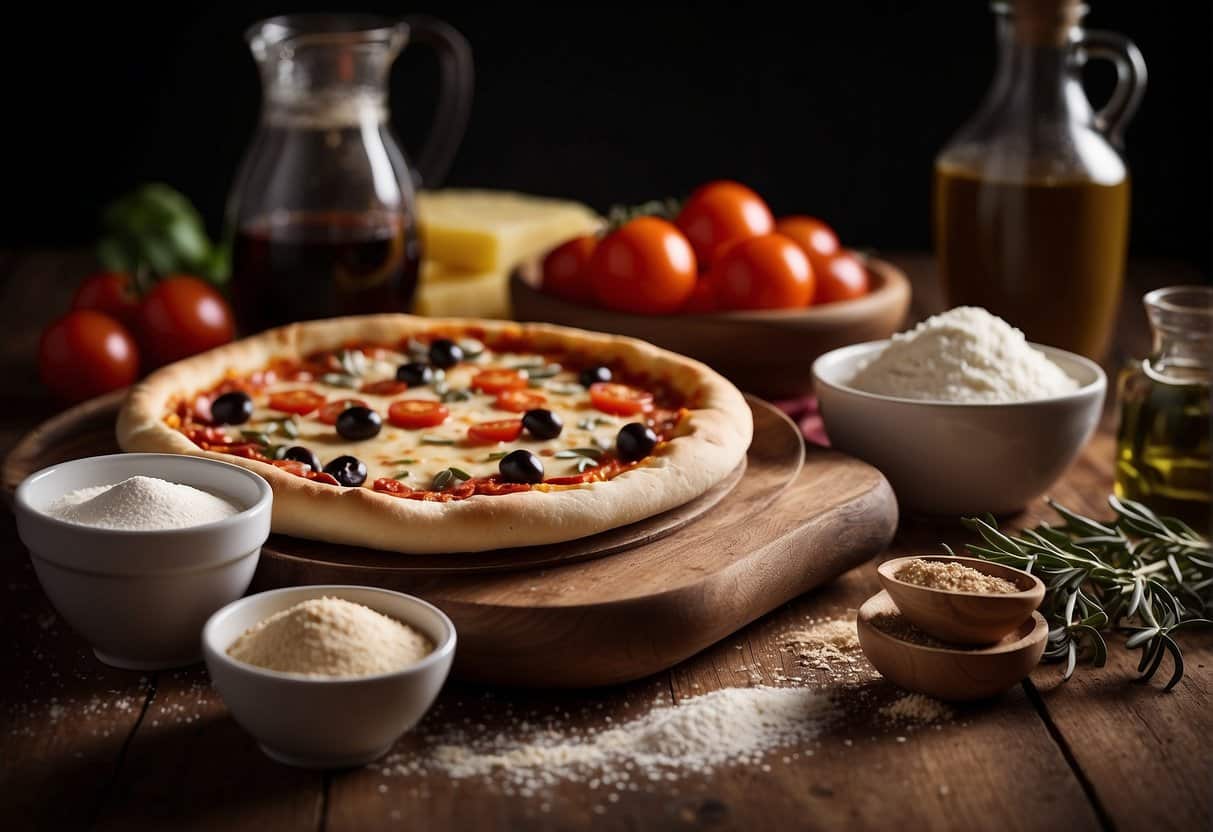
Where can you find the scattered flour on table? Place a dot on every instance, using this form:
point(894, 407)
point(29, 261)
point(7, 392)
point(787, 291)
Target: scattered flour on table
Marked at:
point(141, 504)
point(730, 726)
point(831, 645)
point(330, 637)
point(964, 355)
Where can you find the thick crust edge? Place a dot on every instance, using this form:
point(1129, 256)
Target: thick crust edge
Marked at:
point(715, 441)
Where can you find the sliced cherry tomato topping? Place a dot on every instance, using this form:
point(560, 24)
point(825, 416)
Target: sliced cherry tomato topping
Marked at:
point(520, 401)
point(387, 485)
point(619, 399)
point(502, 430)
point(498, 381)
point(292, 466)
point(320, 476)
point(301, 402)
point(412, 414)
point(329, 413)
point(386, 387)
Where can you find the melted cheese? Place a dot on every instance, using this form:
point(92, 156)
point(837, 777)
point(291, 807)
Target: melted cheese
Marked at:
point(382, 454)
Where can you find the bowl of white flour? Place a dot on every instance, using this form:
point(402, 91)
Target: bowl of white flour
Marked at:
point(136, 551)
point(961, 414)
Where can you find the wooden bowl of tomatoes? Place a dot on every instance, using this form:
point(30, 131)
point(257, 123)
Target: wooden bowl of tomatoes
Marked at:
point(722, 281)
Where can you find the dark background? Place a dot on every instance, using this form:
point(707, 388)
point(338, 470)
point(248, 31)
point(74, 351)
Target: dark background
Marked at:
point(830, 109)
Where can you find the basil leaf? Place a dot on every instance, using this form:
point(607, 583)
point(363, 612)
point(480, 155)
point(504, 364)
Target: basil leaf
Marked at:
point(459, 472)
point(496, 455)
point(426, 439)
point(405, 461)
point(260, 437)
point(442, 479)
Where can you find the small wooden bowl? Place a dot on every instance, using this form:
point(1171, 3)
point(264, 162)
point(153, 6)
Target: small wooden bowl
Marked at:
point(955, 675)
point(963, 617)
point(768, 353)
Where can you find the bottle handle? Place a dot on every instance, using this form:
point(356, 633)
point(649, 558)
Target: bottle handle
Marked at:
point(455, 76)
point(1112, 118)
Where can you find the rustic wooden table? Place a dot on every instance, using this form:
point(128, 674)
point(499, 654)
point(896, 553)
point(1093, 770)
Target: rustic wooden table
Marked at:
point(84, 745)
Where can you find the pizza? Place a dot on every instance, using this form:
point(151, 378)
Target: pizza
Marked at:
point(422, 435)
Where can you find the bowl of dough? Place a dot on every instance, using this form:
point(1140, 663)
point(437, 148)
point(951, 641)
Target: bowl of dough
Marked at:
point(962, 414)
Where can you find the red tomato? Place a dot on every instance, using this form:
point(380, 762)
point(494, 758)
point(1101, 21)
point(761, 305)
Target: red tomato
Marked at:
point(301, 402)
point(817, 239)
point(85, 354)
point(386, 387)
point(498, 381)
point(292, 466)
point(720, 212)
point(110, 292)
point(767, 272)
point(646, 267)
point(502, 430)
point(520, 401)
point(566, 270)
point(843, 278)
point(702, 301)
point(329, 413)
point(182, 316)
point(413, 414)
point(619, 399)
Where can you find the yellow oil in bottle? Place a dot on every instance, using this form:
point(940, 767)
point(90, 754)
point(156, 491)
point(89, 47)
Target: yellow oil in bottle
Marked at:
point(1163, 443)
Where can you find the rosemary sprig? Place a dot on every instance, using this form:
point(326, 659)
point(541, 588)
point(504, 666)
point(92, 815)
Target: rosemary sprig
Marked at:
point(1142, 574)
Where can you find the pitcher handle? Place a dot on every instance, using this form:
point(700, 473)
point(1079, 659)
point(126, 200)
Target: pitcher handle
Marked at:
point(455, 76)
point(1130, 80)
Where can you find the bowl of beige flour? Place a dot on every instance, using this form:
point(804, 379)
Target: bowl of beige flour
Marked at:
point(961, 414)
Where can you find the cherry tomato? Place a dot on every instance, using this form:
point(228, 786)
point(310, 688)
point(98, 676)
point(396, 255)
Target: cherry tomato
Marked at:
point(329, 413)
point(566, 270)
point(413, 414)
point(301, 402)
point(292, 466)
point(646, 267)
point(619, 399)
point(386, 387)
point(502, 430)
point(767, 272)
point(702, 301)
point(843, 278)
point(110, 292)
point(182, 316)
point(84, 354)
point(817, 239)
point(498, 381)
point(520, 401)
point(720, 212)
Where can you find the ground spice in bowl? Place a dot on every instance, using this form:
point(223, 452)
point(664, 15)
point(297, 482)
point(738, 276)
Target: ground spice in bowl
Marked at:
point(955, 577)
point(899, 627)
point(331, 638)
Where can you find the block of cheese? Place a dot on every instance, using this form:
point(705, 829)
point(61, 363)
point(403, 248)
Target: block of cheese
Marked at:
point(444, 292)
point(492, 231)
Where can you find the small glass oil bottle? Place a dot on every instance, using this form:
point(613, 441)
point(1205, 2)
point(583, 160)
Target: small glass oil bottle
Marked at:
point(1163, 443)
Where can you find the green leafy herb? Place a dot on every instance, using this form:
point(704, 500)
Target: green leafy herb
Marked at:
point(459, 395)
point(565, 389)
point(445, 478)
point(155, 231)
point(276, 451)
point(1141, 574)
point(496, 455)
point(257, 436)
point(427, 439)
point(544, 371)
point(405, 461)
point(572, 453)
point(289, 427)
point(667, 209)
point(528, 365)
point(400, 475)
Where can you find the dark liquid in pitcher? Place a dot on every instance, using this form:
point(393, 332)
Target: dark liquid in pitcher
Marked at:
point(302, 266)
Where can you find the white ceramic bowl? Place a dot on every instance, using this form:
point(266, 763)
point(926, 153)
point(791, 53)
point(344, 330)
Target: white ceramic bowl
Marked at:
point(327, 723)
point(956, 459)
point(140, 598)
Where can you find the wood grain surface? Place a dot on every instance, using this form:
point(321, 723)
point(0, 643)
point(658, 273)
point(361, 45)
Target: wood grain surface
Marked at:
point(78, 748)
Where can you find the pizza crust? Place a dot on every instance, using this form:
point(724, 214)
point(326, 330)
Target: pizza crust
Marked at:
point(713, 442)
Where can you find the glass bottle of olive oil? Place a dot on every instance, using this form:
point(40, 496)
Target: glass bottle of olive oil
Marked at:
point(1163, 445)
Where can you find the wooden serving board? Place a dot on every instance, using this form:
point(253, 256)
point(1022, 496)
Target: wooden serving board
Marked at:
point(611, 608)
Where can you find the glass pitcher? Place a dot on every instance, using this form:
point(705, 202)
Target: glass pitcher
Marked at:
point(322, 212)
point(1031, 197)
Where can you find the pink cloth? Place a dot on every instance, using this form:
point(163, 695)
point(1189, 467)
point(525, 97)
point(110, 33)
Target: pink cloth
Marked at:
point(805, 414)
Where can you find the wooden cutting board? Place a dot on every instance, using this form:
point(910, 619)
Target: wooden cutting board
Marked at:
point(607, 609)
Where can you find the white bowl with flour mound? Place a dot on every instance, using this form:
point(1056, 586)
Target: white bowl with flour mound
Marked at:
point(962, 415)
point(136, 551)
point(356, 684)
